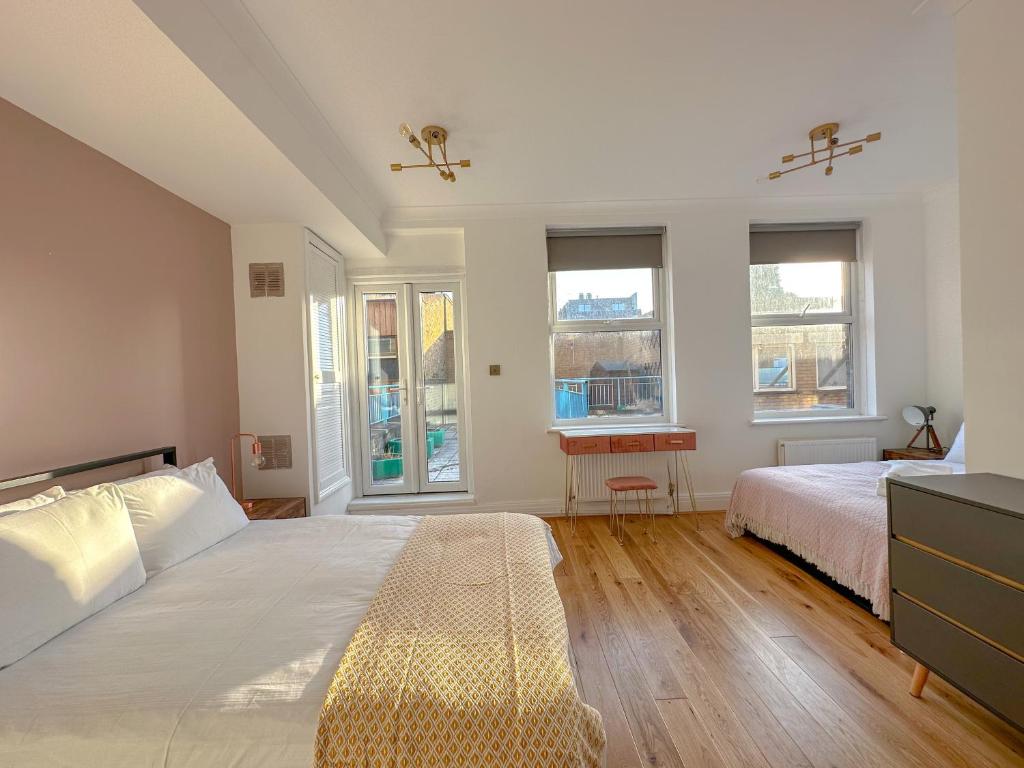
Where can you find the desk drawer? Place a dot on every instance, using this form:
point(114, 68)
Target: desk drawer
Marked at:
point(632, 443)
point(979, 536)
point(682, 441)
point(578, 446)
point(988, 607)
point(978, 668)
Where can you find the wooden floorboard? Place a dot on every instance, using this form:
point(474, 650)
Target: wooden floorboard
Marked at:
point(704, 651)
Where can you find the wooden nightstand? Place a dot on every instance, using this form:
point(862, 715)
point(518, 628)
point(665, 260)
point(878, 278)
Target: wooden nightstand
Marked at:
point(276, 509)
point(912, 454)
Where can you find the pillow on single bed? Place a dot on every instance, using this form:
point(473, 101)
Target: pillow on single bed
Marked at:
point(956, 452)
point(43, 497)
point(175, 516)
point(61, 563)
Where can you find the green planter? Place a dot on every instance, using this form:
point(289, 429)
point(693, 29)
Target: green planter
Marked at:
point(384, 469)
point(433, 441)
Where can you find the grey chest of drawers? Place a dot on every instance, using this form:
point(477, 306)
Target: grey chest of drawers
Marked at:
point(956, 566)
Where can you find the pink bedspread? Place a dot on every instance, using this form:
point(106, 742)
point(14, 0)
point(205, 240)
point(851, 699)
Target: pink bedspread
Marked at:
point(828, 514)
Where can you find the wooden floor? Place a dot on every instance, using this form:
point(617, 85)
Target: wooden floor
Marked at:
point(701, 650)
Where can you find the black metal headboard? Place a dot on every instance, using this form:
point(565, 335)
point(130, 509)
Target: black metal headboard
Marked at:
point(170, 454)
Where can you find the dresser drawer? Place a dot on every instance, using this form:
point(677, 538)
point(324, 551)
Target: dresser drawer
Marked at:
point(978, 668)
point(991, 540)
point(682, 441)
point(988, 607)
point(632, 443)
point(576, 446)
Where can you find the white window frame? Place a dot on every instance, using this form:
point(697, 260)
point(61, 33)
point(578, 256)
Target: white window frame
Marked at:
point(656, 322)
point(851, 316)
point(817, 369)
point(791, 354)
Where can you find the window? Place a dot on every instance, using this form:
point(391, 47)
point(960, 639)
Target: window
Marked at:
point(773, 368)
point(803, 321)
point(606, 326)
point(832, 366)
point(326, 358)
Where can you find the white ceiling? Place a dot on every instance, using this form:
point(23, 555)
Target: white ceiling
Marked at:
point(618, 100)
point(104, 73)
point(289, 111)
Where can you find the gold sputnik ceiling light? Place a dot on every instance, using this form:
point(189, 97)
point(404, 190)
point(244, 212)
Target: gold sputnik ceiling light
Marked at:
point(435, 137)
point(826, 134)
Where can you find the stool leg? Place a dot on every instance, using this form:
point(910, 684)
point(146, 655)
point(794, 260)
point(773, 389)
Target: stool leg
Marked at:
point(611, 508)
point(640, 510)
point(650, 512)
point(621, 518)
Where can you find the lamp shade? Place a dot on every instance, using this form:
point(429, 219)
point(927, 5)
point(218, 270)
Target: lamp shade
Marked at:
point(918, 415)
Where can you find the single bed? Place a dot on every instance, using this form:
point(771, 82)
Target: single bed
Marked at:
point(828, 514)
point(221, 660)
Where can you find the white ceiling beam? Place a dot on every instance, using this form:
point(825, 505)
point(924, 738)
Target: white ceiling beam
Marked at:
point(226, 43)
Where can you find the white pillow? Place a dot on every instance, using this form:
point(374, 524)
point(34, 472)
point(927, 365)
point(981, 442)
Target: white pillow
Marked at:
point(41, 498)
point(61, 563)
point(956, 452)
point(176, 516)
point(166, 469)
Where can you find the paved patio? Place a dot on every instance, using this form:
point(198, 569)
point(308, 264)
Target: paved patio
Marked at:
point(443, 466)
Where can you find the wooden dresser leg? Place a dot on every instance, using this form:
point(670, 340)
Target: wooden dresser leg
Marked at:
point(917, 683)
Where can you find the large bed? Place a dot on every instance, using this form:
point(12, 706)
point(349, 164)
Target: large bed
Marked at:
point(831, 515)
point(221, 660)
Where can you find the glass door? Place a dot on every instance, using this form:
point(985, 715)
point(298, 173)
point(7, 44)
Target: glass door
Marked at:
point(388, 418)
point(413, 431)
point(439, 390)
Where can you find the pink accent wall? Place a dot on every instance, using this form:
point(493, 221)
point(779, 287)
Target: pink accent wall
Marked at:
point(116, 311)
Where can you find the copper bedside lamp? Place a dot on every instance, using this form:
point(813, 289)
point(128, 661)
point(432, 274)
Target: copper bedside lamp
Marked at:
point(257, 460)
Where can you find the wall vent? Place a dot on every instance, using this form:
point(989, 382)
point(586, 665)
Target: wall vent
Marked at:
point(266, 279)
point(277, 451)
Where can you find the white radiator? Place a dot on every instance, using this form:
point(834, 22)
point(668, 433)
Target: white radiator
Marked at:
point(832, 451)
point(595, 468)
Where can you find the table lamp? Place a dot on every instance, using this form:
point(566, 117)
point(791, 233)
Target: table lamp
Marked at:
point(257, 460)
point(920, 416)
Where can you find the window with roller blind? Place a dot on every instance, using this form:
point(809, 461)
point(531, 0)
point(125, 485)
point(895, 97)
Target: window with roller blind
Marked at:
point(804, 320)
point(327, 372)
point(607, 325)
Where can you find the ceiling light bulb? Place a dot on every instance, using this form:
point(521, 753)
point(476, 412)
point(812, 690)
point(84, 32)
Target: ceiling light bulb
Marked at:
point(405, 130)
point(451, 177)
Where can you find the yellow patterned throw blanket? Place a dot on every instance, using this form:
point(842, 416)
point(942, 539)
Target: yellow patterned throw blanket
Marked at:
point(461, 659)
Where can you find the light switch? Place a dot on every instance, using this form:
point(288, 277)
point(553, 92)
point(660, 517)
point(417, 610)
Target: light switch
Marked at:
point(495, 370)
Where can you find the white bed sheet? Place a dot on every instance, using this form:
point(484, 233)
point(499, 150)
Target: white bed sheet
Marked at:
point(829, 514)
point(222, 660)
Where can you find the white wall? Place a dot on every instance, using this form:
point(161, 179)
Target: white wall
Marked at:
point(942, 290)
point(990, 64)
point(517, 460)
point(273, 390)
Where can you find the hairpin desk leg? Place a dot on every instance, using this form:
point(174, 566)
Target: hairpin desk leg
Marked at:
point(689, 488)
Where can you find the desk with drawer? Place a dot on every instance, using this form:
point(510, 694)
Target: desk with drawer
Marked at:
point(585, 441)
point(956, 566)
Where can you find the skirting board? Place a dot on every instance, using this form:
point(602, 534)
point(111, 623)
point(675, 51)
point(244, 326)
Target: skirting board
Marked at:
point(706, 502)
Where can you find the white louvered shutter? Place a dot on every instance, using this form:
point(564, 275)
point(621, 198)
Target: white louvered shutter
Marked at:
point(325, 313)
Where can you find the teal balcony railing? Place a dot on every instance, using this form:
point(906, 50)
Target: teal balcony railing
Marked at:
point(578, 398)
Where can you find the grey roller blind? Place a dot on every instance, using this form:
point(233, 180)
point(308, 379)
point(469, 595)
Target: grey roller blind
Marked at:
point(789, 246)
point(604, 249)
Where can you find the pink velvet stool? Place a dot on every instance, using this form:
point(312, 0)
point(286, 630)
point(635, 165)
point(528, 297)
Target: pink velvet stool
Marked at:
point(625, 484)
